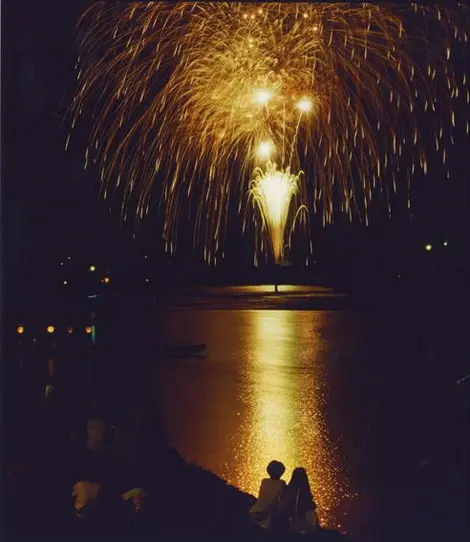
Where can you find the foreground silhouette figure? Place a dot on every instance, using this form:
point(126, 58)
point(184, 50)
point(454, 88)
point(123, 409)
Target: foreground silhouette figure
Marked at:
point(297, 504)
point(265, 512)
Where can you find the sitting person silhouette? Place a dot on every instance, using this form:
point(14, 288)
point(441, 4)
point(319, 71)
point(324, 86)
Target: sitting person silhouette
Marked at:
point(265, 510)
point(297, 504)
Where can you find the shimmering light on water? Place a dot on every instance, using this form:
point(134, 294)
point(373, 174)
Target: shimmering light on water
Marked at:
point(259, 394)
point(285, 402)
point(347, 394)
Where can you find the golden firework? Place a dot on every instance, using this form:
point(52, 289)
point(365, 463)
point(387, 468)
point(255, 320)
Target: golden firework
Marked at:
point(185, 93)
point(272, 192)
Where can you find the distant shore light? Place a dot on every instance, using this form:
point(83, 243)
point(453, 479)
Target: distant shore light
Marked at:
point(20, 330)
point(50, 329)
point(428, 247)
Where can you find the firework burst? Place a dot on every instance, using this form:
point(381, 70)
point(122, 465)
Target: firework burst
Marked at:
point(187, 92)
point(272, 192)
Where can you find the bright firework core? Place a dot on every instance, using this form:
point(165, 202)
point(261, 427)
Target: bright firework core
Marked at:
point(262, 96)
point(304, 104)
point(272, 192)
point(265, 148)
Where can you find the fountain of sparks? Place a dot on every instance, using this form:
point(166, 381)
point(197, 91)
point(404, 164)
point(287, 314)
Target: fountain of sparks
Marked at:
point(272, 192)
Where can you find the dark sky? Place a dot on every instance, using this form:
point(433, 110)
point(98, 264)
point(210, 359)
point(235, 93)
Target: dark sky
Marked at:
point(51, 205)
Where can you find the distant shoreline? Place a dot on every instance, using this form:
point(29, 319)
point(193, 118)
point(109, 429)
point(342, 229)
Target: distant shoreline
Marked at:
point(260, 297)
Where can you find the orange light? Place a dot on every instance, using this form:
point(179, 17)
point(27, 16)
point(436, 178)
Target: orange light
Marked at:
point(88, 330)
point(20, 330)
point(50, 329)
point(70, 330)
point(106, 280)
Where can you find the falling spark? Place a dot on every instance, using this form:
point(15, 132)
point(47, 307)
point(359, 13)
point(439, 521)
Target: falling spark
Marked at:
point(182, 94)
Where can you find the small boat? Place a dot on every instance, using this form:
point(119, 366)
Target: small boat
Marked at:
point(183, 350)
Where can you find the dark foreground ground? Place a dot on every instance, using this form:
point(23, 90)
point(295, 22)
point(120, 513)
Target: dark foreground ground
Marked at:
point(186, 502)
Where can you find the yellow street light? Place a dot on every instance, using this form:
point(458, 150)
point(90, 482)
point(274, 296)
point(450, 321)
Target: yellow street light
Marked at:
point(88, 330)
point(428, 248)
point(20, 330)
point(92, 268)
point(50, 329)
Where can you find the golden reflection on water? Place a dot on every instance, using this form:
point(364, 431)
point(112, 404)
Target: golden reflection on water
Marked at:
point(286, 402)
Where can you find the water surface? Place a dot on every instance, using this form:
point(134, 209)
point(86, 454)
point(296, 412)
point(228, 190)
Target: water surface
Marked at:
point(273, 385)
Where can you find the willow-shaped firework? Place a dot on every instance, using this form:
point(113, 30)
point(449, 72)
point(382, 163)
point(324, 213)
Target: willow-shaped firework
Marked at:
point(190, 93)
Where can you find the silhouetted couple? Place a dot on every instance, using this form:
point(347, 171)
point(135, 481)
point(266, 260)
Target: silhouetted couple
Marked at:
point(280, 506)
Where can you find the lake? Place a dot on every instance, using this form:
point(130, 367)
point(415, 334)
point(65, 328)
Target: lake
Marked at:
point(349, 395)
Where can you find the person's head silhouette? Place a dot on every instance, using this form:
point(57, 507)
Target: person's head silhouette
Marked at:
point(275, 470)
point(299, 476)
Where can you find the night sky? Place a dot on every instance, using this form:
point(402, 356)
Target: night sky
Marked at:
point(51, 206)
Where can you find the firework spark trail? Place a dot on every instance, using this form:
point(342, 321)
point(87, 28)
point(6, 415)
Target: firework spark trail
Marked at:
point(272, 192)
point(185, 92)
